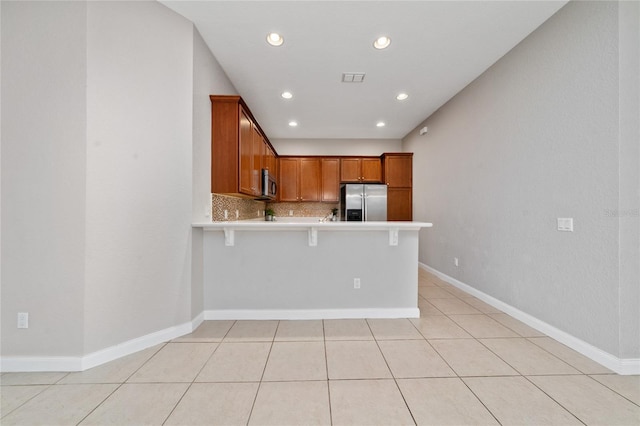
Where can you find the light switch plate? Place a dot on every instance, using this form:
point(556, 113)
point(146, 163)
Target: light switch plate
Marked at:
point(565, 224)
point(23, 320)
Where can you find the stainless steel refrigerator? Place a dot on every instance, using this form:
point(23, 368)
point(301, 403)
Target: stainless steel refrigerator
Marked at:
point(363, 202)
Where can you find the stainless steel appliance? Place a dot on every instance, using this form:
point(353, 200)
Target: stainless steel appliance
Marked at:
point(363, 202)
point(269, 186)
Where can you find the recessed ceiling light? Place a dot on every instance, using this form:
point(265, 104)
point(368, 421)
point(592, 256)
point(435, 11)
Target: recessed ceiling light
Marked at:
point(275, 39)
point(380, 124)
point(287, 95)
point(402, 96)
point(382, 42)
point(293, 123)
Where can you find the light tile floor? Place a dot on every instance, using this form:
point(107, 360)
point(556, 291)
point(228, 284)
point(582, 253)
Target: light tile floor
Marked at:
point(462, 363)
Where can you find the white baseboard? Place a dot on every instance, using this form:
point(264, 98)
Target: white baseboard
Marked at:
point(81, 363)
point(307, 314)
point(623, 366)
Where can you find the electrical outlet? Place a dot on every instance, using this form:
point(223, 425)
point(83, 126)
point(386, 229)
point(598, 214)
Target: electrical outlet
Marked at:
point(226, 214)
point(290, 212)
point(23, 319)
point(565, 224)
point(356, 283)
point(455, 261)
point(237, 214)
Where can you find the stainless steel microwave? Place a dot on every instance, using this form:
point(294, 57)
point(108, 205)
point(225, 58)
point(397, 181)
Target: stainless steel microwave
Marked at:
point(269, 185)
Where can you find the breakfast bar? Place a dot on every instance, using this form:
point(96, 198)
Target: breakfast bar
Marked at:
point(308, 269)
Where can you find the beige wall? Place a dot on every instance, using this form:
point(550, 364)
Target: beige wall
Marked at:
point(336, 146)
point(105, 129)
point(535, 138)
point(43, 176)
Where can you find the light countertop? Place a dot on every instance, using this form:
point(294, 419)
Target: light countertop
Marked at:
point(288, 223)
point(312, 226)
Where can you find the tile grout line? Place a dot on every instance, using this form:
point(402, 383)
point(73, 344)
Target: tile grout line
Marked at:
point(527, 379)
point(119, 385)
point(612, 390)
point(264, 369)
point(391, 372)
point(47, 386)
point(196, 375)
point(480, 400)
point(326, 366)
point(554, 400)
point(554, 355)
point(461, 377)
point(520, 337)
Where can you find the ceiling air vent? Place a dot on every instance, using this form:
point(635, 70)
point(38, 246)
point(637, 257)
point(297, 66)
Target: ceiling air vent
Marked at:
point(352, 77)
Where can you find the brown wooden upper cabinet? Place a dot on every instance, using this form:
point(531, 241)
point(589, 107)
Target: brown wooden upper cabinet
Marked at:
point(360, 169)
point(398, 169)
point(398, 175)
point(330, 188)
point(239, 148)
point(300, 179)
point(270, 161)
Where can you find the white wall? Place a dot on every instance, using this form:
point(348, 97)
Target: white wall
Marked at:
point(251, 277)
point(208, 79)
point(629, 205)
point(139, 102)
point(335, 146)
point(108, 112)
point(43, 176)
point(534, 138)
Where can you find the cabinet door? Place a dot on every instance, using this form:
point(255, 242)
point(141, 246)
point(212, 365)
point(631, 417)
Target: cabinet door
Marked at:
point(256, 164)
point(273, 163)
point(371, 170)
point(330, 168)
point(350, 169)
point(309, 179)
point(399, 204)
point(288, 182)
point(269, 159)
point(246, 155)
point(398, 171)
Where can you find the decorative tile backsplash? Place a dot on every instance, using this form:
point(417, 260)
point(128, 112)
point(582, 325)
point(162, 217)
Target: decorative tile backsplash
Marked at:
point(246, 208)
point(252, 209)
point(302, 209)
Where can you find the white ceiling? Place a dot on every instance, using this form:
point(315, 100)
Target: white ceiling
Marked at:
point(437, 48)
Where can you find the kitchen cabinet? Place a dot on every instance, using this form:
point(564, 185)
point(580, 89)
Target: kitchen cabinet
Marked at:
point(361, 169)
point(399, 204)
point(246, 184)
point(239, 148)
point(300, 179)
point(398, 175)
point(330, 186)
point(270, 161)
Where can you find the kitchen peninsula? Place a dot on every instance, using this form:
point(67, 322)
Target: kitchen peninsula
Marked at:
point(308, 269)
point(301, 267)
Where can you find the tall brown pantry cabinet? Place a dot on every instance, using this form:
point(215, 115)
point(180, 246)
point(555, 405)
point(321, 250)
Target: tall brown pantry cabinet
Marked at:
point(398, 175)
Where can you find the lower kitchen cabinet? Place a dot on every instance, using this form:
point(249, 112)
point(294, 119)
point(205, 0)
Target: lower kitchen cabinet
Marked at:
point(398, 172)
point(399, 204)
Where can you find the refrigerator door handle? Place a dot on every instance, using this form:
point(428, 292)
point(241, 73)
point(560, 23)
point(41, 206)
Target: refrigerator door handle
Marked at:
point(365, 210)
